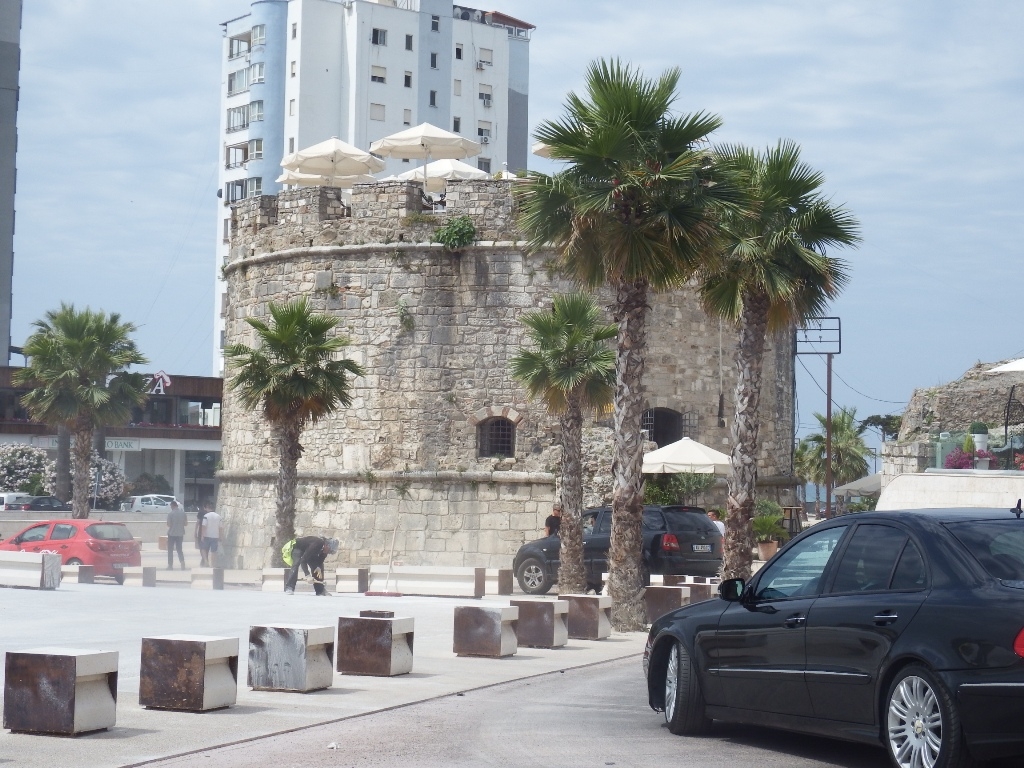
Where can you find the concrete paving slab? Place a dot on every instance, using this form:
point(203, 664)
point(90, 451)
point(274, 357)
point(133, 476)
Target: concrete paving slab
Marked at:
point(109, 617)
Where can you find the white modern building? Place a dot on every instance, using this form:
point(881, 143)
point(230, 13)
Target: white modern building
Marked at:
point(297, 72)
point(10, 65)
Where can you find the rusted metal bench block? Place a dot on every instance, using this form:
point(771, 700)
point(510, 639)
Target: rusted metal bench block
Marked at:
point(375, 643)
point(483, 631)
point(139, 577)
point(82, 574)
point(32, 570)
point(207, 578)
point(498, 581)
point(352, 580)
point(60, 690)
point(542, 623)
point(291, 657)
point(702, 592)
point(590, 616)
point(661, 600)
point(193, 673)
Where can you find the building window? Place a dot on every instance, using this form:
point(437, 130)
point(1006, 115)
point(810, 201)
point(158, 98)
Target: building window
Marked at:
point(483, 131)
point(457, 87)
point(259, 34)
point(295, 31)
point(664, 426)
point(235, 155)
point(457, 124)
point(433, 61)
point(237, 46)
point(256, 73)
point(253, 187)
point(435, 23)
point(291, 106)
point(378, 74)
point(408, 79)
point(487, 56)
point(408, 42)
point(238, 118)
point(255, 111)
point(291, 145)
point(293, 68)
point(458, 51)
point(406, 117)
point(376, 111)
point(496, 437)
point(379, 36)
point(227, 233)
point(433, 98)
point(238, 82)
point(485, 95)
point(255, 149)
point(484, 164)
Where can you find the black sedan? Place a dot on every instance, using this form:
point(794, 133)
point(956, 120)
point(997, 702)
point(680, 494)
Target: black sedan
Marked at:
point(45, 504)
point(899, 628)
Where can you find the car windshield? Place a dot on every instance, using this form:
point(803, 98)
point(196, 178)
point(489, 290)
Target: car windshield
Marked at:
point(109, 532)
point(997, 544)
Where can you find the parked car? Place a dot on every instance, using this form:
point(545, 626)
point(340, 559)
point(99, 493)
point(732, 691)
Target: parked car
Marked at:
point(676, 540)
point(45, 504)
point(899, 628)
point(107, 547)
point(12, 500)
point(154, 502)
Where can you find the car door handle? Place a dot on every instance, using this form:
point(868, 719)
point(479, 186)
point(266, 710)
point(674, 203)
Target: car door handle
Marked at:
point(795, 621)
point(885, 618)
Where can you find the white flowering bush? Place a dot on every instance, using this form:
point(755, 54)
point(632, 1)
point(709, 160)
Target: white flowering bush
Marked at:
point(111, 482)
point(25, 468)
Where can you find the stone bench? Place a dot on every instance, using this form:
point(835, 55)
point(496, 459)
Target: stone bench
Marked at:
point(291, 657)
point(273, 579)
point(498, 581)
point(481, 631)
point(139, 577)
point(80, 574)
point(428, 581)
point(375, 643)
point(207, 578)
point(192, 673)
point(542, 623)
point(60, 690)
point(659, 600)
point(701, 587)
point(31, 570)
point(590, 616)
point(351, 580)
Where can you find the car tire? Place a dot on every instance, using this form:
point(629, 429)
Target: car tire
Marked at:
point(119, 578)
point(684, 701)
point(921, 725)
point(74, 561)
point(532, 576)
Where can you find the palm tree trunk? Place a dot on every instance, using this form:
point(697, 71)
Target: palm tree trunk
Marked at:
point(572, 579)
point(624, 555)
point(290, 449)
point(739, 538)
point(81, 456)
point(63, 468)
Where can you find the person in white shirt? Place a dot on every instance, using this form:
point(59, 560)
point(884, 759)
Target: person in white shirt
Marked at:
point(210, 535)
point(716, 518)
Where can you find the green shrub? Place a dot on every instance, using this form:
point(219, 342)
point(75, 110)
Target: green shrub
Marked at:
point(968, 446)
point(767, 507)
point(977, 428)
point(678, 488)
point(456, 234)
point(768, 527)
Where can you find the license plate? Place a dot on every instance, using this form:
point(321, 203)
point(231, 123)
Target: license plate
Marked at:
point(701, 547)
point(119, 565)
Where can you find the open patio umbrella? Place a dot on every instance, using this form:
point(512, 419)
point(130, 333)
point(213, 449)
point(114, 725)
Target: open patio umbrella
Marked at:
point(425, 141)
point(540, 149)
point(440, 171)
point(871, 485)
point(333, 157)
point(319, 180)
point(686, 455)
point(1010, 367)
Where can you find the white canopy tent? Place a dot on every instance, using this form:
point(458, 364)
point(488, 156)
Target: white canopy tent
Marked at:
point(686, 455)
point(441, 171)
point(425, 142)
point(333, 157)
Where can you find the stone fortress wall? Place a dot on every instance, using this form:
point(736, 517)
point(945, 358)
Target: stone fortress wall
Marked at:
point(434, 331)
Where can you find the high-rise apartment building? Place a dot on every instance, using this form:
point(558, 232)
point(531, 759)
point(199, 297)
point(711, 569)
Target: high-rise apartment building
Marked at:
point(10, 66)
point(297, 72)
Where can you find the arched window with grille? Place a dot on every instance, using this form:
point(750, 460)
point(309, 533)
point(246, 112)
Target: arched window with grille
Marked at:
point(496, 438)
point(664, 425)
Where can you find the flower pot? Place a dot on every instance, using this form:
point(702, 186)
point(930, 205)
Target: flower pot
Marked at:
point(981, 463)
point(980, 442)
point(766, 549)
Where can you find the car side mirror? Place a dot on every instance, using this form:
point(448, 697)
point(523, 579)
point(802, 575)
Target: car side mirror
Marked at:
point(731, 590)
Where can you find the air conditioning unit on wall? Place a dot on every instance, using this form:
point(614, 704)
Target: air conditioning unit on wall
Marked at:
point(486, 100)
point(485, 139)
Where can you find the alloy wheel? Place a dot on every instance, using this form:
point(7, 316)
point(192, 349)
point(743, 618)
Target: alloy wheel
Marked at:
point(671, 683)
point(533, 576)
point(914, 724)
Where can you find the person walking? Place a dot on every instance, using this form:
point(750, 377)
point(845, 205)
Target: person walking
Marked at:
point(309, 553)
point(198, 535)
point(177, 518)
point(210, 529)
point(716, 518)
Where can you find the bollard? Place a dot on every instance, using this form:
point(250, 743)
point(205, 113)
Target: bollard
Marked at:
point(207, 578)
point(139, 577)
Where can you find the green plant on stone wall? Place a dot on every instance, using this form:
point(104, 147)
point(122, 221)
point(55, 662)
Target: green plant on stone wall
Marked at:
point(405, 318)
point(420, 218)
point(456, 234)
point(402, 489)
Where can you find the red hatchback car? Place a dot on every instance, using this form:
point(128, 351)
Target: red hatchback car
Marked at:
point(107, 547)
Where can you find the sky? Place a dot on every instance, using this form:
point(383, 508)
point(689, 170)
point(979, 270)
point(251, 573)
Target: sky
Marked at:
point(911, 110)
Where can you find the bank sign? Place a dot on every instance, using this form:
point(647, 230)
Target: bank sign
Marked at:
point(123, 444)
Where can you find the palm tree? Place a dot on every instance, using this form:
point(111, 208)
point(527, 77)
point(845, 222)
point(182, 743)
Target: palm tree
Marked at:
point(809, 471)
point(294, 378)
point(849, 451)
point(78, 375)
point(773, 272)
point(634, 210)
point(573, 371)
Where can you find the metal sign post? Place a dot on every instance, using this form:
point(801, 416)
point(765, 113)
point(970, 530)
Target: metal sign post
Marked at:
point(823, 336)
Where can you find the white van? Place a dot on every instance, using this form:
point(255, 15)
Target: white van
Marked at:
point(10, 500)
point(154, 502)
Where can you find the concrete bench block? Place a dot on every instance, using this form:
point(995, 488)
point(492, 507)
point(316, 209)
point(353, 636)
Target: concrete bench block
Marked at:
point(352, 580)
point(483, 631)
point(590, 616)
point(498, 581)
point(273, 579)
point(656, 579)
point(661, 600)
point(31, 570)
point(428, 581)
point(161, 543)
point(207, 578)
point(60, 690)
point(375, 643)
point(193, 673)
point(542, 623)
point(139, 577)
point(291, 657)
point(81, 574)
point(681, 580)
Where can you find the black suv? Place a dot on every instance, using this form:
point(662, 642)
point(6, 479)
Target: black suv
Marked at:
point(677, 540)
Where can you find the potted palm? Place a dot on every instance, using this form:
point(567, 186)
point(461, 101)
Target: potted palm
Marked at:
point(767, 528)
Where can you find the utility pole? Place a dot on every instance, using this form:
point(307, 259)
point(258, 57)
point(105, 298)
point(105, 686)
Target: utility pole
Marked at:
point(823, 336)
point(828, 440)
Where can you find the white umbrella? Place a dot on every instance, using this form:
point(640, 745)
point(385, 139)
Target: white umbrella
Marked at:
point(1012, 366)
point(333, 157)
point(440, 171)
point(425, 141)
point(540, 149)
point(318, 180)
point(686, 455)
point(865, 486)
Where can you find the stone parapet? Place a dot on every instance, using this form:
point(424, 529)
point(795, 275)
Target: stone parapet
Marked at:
point(906, 458)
